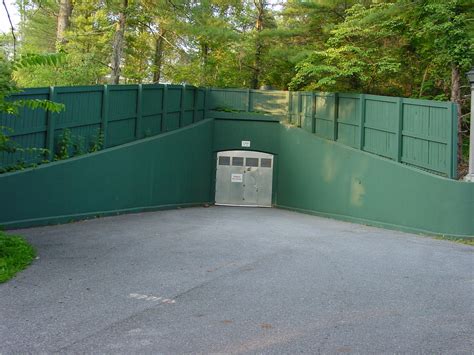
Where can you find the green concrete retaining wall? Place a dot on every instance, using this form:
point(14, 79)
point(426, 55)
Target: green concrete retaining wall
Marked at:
point(330, 179)
point(166, 171)
point(327, 178)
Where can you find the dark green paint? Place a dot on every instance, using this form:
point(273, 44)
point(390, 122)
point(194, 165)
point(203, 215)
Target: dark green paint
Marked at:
point(263, 136)
point(367, 122)
point(419, 133)
point(330, 179)
point(327, 178)
point(313, 173)
point(50, 127)
point(169, 170)
point(123, 113)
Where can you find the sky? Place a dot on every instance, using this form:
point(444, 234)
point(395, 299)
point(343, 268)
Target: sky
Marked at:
point(4, 24)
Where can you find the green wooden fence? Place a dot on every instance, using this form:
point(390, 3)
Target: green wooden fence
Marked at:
point(115, 114)
point(418, 133)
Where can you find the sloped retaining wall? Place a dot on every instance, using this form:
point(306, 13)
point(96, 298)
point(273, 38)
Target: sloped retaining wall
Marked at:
point(313, 175)
point(327, 178)
point(344, 183)
point(166, 171)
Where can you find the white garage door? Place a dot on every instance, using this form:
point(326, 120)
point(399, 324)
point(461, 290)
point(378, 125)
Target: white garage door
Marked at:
point(244, 178)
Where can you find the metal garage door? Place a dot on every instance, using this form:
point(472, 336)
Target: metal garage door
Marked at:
point(244, 178)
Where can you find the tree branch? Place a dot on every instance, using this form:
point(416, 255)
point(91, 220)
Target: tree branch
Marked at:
point(11, 27)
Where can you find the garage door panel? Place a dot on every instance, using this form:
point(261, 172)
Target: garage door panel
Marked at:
point(244, 178)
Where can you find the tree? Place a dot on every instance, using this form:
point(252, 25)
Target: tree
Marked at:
point(65, 11)
point(416, 48)
point(118, 43)
point(8, 88)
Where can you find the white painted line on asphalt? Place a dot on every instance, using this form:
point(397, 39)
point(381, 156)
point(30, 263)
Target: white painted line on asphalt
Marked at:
point(139, 296)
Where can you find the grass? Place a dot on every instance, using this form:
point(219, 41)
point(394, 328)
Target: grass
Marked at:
point(467, 241)
point(15, 255)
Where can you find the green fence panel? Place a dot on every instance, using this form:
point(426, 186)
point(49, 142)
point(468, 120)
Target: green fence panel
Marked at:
point(122, 114)
point(82, 116)
point(28, 129)
point(152, 101)
point(268, 102)
point(113, 114)
point(307, 111)
point(349, 119)
point(380, 126)
point(199, 101)
point(228, 99)
point(428, 135)
point(419, 133)
point(325, 115)
point(187, 107)
point(294, 108)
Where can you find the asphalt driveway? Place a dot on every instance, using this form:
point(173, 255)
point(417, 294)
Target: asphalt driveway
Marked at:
point(237, 280)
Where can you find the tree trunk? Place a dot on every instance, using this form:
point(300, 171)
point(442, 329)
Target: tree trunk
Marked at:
point(456, 97)
point(260, 6)
point(118, 45)
point(158, 59)
point(64, 16)
point(204, 61)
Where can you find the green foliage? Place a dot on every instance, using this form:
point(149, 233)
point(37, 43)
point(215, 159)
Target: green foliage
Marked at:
point(10, 106)
point(79, 145)
point(6, 144)
point(8, 86)
point(15, 255)
point(22, 164)
point(232, 110)
point(69, 145)
point(394, 47)
point(35, 60)
point(467, 241)
point(97, 142)
point(64, 145)
point(401, 47)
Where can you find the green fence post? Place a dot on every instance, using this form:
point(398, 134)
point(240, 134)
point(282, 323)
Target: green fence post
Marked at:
point(247, 107)
point(451, 147)
point(313, 112)
point(290, 105)
point(335, 113)
point(105, 114)
point(299, 103)
point(399, 136)
point(181, 105)
point(51, 118)
point(455, 141)
point(207, 97)
point(362, 121)
point(195, 103)
point(164, 107)
point(138, 122)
